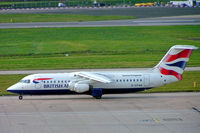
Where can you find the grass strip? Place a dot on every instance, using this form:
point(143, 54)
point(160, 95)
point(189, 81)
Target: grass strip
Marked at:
point(90, 61)
point(94, 47)
point(21, 18)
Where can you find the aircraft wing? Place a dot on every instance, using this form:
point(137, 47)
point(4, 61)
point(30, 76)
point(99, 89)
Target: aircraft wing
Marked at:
point(94, 76)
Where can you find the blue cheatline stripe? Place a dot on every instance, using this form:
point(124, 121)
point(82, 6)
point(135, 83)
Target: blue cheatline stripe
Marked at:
point(66, 91)
point(42, 92)
point(123, 90)
point(180, 64)
point(35, 82)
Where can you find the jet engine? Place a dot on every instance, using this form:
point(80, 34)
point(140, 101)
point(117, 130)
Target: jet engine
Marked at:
point(79, 88)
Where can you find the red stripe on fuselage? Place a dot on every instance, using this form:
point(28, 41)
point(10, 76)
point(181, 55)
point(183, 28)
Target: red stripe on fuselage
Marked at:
point(183, 54)
point(43, 79)
point(171, 72)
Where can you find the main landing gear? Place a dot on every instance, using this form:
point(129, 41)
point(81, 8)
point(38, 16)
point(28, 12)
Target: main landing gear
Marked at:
point(97, 93)
point(20, 97)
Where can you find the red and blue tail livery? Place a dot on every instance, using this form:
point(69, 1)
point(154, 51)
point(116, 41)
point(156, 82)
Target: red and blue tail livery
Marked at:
point(175, 61)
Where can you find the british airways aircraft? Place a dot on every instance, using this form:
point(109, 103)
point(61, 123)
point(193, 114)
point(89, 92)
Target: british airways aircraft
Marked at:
point(168, 70)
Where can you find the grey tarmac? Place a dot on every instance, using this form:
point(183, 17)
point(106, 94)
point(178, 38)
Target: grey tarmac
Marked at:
point(127, 113)
point(162, 21)
point(11, 72)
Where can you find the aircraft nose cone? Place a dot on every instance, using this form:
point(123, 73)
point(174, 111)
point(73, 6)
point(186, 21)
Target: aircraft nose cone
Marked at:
point(13, 88)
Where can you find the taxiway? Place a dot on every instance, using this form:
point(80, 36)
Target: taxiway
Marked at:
point(12, 72)
point(138, 12)
point(127, 113)
point(162, 21)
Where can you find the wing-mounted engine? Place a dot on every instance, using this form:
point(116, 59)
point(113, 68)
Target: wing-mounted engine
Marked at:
point(79, 87)
point(83, 81)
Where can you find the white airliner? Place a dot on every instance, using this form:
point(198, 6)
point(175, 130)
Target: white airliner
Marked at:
point(168, 70)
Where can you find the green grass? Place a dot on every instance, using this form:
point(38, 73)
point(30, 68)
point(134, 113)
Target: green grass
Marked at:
point(95, 47)
point(186, 85)
point(27, 2)
point(6, 81)
point(90, 61)
point(17, 18)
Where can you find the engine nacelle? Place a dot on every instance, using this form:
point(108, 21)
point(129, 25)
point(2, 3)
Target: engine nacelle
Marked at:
point(79, 88)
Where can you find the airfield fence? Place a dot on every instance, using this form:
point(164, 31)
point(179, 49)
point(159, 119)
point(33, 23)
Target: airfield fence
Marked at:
point(14, 4)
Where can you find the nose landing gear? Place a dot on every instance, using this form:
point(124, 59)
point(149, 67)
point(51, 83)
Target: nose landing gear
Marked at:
point(20, 97)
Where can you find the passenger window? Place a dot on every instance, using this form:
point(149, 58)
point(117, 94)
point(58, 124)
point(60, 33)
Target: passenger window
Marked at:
point(58, 81)
point(44, 81)
point(54, 81)
point(130, 80)
point(117, 80)
point(47, 81)
point(127, 80)
point(137, 79)
point(140, 79)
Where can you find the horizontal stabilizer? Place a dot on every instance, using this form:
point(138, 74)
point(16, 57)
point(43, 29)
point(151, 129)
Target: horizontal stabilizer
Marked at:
point(184, 47)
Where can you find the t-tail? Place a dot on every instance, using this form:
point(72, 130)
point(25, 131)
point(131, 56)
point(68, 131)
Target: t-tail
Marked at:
point(175, 61)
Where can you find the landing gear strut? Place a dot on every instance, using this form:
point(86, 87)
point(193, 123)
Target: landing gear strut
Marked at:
point(97, 93)
point(20, 97)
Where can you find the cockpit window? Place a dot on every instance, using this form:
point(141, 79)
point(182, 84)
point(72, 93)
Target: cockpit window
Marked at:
point(25, 81)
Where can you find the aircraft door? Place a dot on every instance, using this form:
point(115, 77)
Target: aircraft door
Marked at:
point(146, 80)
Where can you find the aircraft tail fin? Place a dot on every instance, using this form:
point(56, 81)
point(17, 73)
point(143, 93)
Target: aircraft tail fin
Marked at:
point(175, 60)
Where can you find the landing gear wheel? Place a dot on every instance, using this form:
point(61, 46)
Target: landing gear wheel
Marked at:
point(99, 97)
point(20, 97)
